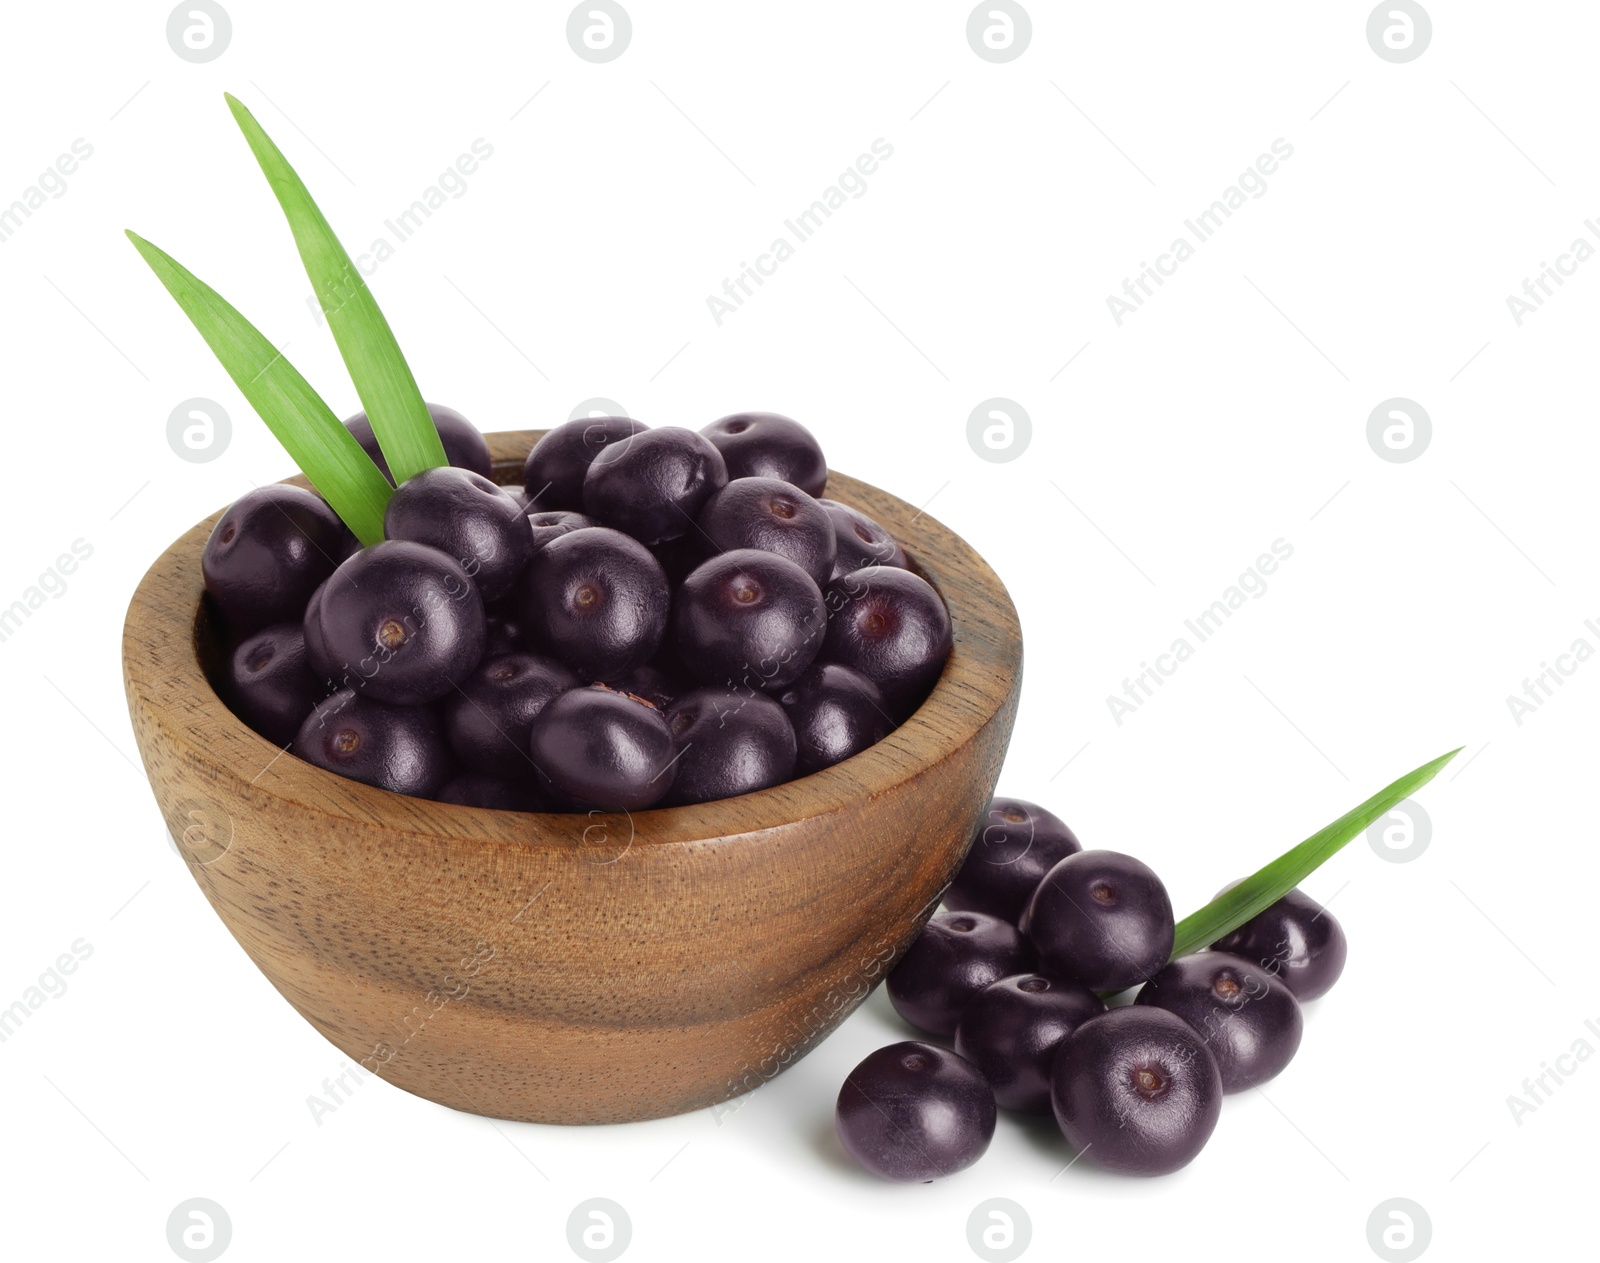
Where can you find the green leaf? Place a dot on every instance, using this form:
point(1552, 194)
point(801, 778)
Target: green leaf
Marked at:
point(1255, 894)
point(326, 452)
point(382, 378)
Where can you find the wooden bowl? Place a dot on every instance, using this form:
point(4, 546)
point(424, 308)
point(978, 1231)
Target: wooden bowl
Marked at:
point(569, 968)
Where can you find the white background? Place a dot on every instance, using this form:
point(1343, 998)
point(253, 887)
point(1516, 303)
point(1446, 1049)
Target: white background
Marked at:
point(1230, 412)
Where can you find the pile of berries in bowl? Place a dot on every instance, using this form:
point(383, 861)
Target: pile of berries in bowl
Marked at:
point(1015, 975)
point(658, 617)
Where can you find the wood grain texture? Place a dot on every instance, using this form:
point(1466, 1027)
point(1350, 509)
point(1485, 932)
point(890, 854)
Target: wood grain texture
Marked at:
point(568, 968)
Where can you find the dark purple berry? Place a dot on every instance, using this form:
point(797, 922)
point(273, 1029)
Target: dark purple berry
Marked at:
point(401, 748)
point(774, 516)
point(654, 484)
point(490, 718)
point(597, 600)
point(859, 541)
point(554, 471)
point(552, 523)
point(835, 712)
point(1011, 1030)
point(464, 446)
point(319, 661)
point(602, 749)
point(267, 554)
point(748, 619)
point(402, 622)
point(730, 743)
point(467, 517)
point(913, 1111)
point(1100, 918)
point(892, 627)
point(270, 684)
point(1249, 1020)
point(1135, 1090)
point(956, 956)
point(1016, 844)
point(767, 445)
point(474, 789)
point(1295, 939)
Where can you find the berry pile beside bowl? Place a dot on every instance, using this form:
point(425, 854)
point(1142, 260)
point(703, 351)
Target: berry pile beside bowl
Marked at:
point(657, 617)
point(1014, 976)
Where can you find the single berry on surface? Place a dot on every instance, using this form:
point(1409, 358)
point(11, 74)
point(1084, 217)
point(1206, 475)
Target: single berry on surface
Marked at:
point(914, 1111)
point(1135, 1090)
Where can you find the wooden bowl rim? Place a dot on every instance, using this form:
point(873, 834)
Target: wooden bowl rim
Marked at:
point(168, 681)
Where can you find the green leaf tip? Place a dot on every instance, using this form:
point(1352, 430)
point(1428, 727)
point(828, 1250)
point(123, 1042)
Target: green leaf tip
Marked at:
point(1258, 892)
point(325, 450)
point(400, 420)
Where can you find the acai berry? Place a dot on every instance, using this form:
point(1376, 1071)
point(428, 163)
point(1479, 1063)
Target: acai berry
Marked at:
point(913, 1111)
point(775, 517)
point(1249, 1020)
point(769, 445)
point(553, 474)
point(749, 619)
point(489, 719)
point(1296, 940)
point(597, 748)
point(469, 518)
point(956, 956)
point(835, 713)
point(729, 742)
point(1016, 844)
point(402, 622)
point(1011, 1030)
point(464, 444)
point(653, 484)
point(270, 682)
point(891, 626)
point(596, 600)
point(1136, 1090)
point(268, 553)
point(401, 748)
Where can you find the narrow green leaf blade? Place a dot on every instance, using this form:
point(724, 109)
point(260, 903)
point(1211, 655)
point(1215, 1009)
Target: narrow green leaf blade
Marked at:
point(326, 452)
point(1255, 894)
point(382, 378)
